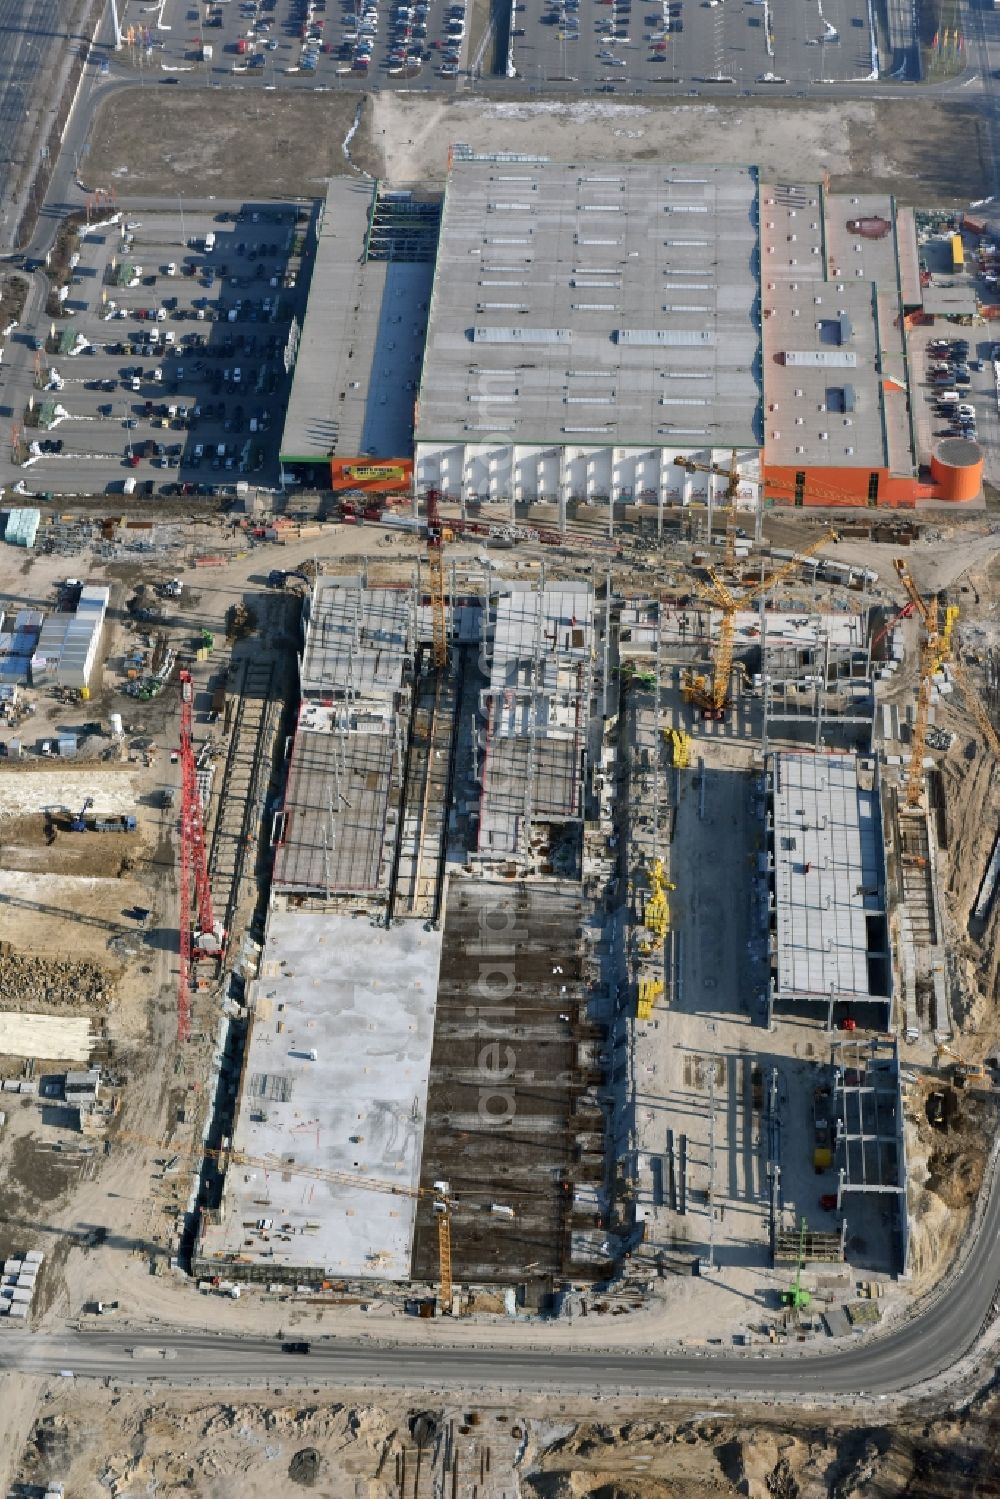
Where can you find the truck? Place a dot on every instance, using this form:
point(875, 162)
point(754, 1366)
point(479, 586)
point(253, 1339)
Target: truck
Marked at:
point(115, 825)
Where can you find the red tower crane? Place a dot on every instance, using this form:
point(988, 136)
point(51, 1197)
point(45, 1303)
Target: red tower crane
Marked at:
point(192, 858)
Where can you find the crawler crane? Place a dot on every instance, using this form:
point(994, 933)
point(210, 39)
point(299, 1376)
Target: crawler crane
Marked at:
point(713, 699)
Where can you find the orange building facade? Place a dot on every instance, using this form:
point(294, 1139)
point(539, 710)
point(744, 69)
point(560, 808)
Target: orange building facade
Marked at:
point(955, 478)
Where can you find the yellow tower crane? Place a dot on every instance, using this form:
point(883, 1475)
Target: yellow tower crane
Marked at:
point(713, 700)
point(937, 648)
point(732, 478)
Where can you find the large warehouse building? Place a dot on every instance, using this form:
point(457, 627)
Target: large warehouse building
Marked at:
point(589, 325)
point(566, 332)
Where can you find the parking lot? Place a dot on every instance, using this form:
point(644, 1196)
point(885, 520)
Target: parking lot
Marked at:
point(954, 364)
point(299, 42)
point(402, 40)
point(611, 45)
point(167, 373)
point(617, 45)
point(957, 389)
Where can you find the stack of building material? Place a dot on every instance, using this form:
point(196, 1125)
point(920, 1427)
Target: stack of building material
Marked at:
point(22, 527)
point(17, 1287)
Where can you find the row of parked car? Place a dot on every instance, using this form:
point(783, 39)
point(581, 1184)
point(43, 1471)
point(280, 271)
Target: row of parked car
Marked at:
point(310, 27)
point(949, 370)
point(408, 36)
point(451, 41)
point(948, 361)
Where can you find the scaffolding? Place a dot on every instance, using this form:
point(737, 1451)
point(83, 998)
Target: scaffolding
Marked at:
point(403, 228)
point(538, 650)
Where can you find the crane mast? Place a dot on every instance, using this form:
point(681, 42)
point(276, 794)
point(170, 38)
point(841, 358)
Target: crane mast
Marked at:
point(732, 478)
point(193, 862)
point(435, 565)
point(714, 700)
point(936, 650)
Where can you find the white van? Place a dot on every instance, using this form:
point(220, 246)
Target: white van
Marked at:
point(948, 395)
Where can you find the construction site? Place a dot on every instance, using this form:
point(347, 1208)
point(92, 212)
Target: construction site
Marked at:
point(583, 906)
point(485, 927)
point(557, 1050)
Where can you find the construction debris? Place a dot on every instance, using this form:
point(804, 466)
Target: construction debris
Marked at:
point(49, 985)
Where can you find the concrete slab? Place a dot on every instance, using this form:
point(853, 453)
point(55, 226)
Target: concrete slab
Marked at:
point(25, 792)
point(335, 1082)
point(50, 1038)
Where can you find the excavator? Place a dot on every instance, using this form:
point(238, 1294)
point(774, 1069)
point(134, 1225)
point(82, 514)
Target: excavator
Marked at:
point(796, 1297)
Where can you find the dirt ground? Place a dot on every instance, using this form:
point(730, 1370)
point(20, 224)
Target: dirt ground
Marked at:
point(13, 295)
point(148, 141)
point(892, 145)
point(262, 146)
point(118, 1442)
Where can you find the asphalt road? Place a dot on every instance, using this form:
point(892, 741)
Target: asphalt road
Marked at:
point(929, 1343)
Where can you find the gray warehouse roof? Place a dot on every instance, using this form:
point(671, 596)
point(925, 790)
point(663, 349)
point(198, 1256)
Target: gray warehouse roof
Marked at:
point(361, 344)
point(827, 835)
point(610, 304)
